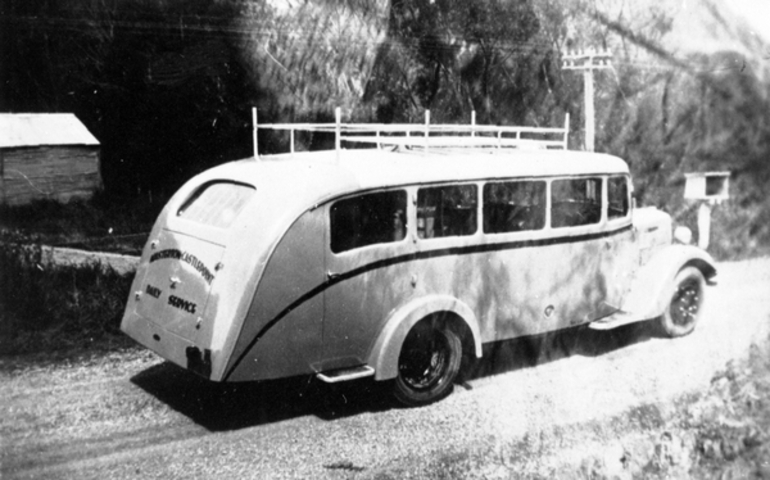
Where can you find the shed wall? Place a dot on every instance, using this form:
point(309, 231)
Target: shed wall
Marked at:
point(55, 173)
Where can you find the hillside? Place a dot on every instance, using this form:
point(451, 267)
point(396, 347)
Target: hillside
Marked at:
point(688, 90)
point(167, 87)
point(689, 93)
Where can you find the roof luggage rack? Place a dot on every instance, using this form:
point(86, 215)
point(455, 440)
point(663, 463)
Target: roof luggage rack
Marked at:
point(427, 135)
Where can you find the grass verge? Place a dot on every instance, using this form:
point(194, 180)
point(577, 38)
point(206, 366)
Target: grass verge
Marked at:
point(718, 433)
point(102, 223)
point(46, 308)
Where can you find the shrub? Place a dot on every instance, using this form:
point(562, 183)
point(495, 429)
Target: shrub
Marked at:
point(44, 307)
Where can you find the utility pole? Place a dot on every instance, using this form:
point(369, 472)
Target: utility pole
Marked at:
point(588, 61)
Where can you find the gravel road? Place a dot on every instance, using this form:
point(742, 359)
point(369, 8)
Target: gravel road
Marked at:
point(130, 415)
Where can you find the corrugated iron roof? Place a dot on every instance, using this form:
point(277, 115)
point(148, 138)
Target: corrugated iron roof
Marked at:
point(34, 129)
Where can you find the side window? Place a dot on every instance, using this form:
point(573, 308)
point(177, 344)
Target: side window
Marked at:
point(368, 219)
point(514, 206)
point(617, 196)
point(576, 202)
point(446, 211)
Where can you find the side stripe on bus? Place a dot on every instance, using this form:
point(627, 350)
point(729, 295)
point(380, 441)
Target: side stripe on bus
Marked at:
point(387, 262)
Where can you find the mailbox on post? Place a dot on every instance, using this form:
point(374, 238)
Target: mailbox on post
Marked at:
point(708, 188)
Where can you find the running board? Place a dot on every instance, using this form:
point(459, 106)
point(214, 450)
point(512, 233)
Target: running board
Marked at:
point(346, 374)
point(613, 321)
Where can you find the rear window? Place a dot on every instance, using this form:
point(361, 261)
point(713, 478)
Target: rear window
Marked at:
point(217, 204)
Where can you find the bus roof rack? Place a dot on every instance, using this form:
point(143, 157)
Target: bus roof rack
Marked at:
point(426, 136)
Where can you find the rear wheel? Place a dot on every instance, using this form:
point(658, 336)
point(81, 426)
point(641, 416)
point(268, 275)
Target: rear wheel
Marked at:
point(428, 364)
point(684, 308)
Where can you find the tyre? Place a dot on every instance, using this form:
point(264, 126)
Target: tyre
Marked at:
point(428, 364)
point(684, 307)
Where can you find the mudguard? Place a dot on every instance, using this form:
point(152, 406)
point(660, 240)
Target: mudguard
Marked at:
point(387, 348)
point(647, 296)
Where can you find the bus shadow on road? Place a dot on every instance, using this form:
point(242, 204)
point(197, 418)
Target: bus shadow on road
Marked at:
point(531, 351)
point(223, 407)
point(232, 406)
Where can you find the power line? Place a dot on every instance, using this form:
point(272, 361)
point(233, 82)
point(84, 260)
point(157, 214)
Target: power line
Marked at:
point(262, 28)
point(226, 29)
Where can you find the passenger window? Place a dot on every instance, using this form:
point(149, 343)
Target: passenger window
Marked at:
point(368, 219)
point(576, 202)
point(446, 211)
point(617, 196)
point(514, 206)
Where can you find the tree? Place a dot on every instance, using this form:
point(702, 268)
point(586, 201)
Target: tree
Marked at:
point(453, 56)
point(158, 83)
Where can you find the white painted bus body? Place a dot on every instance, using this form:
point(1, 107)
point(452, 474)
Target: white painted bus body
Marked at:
point(266, 297)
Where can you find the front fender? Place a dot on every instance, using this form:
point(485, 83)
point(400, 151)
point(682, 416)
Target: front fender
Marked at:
point(647, 296)
point(387, 348)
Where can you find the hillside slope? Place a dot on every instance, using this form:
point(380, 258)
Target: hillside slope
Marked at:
point(688, 88)
point(689, 93)
point(167, 87)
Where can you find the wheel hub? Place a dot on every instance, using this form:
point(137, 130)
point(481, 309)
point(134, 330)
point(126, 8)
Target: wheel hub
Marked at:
point(685, 305)
point(423, 368)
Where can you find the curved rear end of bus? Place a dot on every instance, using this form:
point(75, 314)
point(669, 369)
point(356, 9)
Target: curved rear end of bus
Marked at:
point(179, 305)
point(194, 298)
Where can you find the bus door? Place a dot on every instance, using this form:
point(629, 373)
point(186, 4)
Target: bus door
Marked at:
point(365, 231)
point(618, 256)
point(584, 249)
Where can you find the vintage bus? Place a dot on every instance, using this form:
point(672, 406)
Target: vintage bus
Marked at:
point(398, 261)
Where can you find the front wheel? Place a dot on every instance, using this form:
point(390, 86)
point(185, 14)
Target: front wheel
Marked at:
point(684, 308)
point(428, 364)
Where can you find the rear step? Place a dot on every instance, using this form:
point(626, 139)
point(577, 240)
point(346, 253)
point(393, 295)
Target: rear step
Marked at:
point(346, 374)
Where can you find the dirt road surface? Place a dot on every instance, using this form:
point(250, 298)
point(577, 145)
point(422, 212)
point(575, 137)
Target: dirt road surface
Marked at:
point(131, 415)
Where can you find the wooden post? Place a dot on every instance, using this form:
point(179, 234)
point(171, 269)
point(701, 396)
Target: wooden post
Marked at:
point(588, 62)
point(704, 224)
point(473, 123)
point(427, 129)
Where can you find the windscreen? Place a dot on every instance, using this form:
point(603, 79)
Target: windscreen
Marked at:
point(217, 204)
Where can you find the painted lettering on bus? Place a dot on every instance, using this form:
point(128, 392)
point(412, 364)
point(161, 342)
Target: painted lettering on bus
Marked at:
point(185, 257)
point(153, 291)
point(181, 304)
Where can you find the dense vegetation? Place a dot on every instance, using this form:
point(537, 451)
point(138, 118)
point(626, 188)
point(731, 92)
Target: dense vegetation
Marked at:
point(45, 308)
point(167, 87)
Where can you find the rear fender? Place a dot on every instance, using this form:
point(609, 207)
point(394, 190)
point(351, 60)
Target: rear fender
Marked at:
point(647, 296)
point(387, 348)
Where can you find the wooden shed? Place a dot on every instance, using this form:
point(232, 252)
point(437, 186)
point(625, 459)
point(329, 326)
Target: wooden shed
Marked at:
point(46, 156)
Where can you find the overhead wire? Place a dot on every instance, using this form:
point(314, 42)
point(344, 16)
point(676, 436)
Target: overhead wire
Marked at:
point(226, 28)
